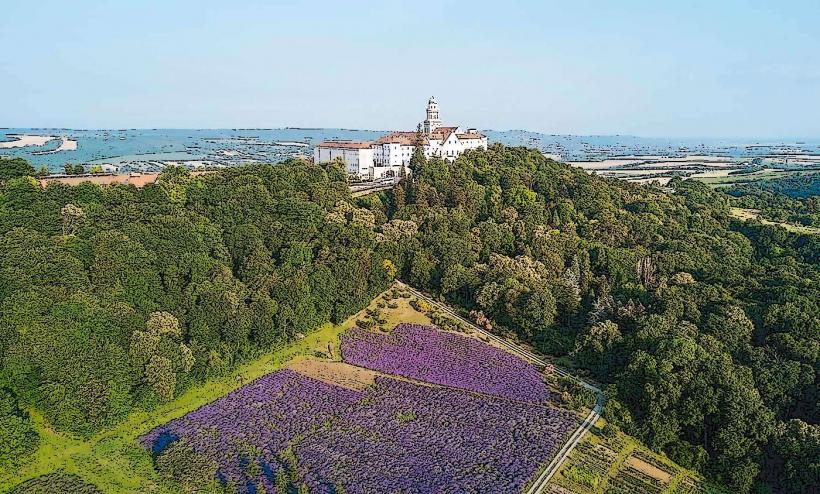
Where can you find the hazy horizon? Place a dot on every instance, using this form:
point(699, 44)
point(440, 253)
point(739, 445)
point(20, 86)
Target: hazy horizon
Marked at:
point(737, 70)
point(745, 139)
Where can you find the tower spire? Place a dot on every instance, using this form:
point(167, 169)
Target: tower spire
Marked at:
point(432, 122)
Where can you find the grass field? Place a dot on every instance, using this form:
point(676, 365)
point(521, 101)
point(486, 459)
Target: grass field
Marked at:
point(745, 214)
point(721, 178)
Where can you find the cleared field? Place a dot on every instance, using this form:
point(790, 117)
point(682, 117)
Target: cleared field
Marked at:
point(746, 214)
point(336, 373)
point(723, 179)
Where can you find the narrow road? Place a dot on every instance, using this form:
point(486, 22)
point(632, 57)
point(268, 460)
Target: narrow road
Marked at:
point(539, 485)
point(362, 189)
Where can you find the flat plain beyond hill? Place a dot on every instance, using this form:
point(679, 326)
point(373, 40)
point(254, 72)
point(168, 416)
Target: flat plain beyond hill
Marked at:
point(150, 150)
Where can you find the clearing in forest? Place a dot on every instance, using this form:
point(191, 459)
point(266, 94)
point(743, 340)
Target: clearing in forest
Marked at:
point(410, 408)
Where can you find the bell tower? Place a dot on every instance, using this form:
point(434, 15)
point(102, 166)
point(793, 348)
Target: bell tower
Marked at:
point(432, 121)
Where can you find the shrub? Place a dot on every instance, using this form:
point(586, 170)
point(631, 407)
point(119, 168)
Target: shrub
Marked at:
point(420, 305)
point(58, 482)
point(17, 437)
point(194, 472)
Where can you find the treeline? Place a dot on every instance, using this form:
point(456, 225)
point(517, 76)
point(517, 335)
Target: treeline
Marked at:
point(115, 298)
point(706, 332)
point(801, 185)
point(780, 206)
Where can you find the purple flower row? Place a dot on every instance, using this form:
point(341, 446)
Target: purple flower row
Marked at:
point(255, 424)
point(428, 354)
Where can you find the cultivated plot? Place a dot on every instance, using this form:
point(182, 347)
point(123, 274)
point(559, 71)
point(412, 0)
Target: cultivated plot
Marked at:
point(410, 409)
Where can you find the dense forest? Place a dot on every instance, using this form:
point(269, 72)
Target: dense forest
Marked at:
point(116, 298)
point(705, 331)
point(780, 206)
point(801, 185)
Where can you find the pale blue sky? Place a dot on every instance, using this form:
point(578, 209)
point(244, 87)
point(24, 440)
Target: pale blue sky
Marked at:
point(651, 68)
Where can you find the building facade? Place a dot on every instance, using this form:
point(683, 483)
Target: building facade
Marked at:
point(389, 154)
point(357, 156)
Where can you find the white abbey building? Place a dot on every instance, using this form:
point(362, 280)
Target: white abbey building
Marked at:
point(386, 156)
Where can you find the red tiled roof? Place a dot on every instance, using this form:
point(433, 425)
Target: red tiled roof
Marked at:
point(443, 133)
point(403, 138)
point(345, 144)
point(409, 138)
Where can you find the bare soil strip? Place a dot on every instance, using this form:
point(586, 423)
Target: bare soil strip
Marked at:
point(336, 373)
point(651, 470)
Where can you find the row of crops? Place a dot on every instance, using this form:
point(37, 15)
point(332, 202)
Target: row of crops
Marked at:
point(612, 463)
point(428, 354)
point(470, 418)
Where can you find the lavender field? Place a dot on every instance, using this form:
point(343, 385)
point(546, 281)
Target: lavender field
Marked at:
point(411, 438)
point(463, 417)
point(449, 359)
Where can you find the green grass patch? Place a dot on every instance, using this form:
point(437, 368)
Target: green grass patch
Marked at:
point(745, 214)
point(582, 476)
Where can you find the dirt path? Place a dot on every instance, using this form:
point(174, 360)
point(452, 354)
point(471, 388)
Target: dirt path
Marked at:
point(337, 373)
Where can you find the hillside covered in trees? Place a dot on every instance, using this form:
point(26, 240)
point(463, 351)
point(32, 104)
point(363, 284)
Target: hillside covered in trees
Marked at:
point(705, 331)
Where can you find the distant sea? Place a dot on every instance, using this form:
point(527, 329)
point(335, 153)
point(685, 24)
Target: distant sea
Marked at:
point(151, 149)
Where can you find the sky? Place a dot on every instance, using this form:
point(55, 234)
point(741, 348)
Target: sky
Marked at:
point(648, 68)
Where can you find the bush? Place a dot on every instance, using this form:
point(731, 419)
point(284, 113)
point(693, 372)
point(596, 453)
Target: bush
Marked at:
point(57, 482)
point(609, 430)
point(574, 395)
point(17, 437)
point(421, 305)
point(194, 472)
point(365, 323)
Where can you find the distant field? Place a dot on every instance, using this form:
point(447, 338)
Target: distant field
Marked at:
point(722, 178)
point(716, 171)
point(754, 214)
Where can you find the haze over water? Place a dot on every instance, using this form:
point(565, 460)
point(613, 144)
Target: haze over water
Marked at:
point(235, 146)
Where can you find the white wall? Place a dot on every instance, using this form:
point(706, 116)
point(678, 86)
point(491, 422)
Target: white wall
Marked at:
point(359, 161)
point(388, 159)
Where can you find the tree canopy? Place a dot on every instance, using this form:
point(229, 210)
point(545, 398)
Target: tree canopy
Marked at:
point(704, 330)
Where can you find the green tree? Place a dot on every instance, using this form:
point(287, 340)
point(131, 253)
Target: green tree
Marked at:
point(160, 355)
point(15, 168)
point(17, 437)
point(797, 445)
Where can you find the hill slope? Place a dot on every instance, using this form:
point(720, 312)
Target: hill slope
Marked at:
point(703, 329)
